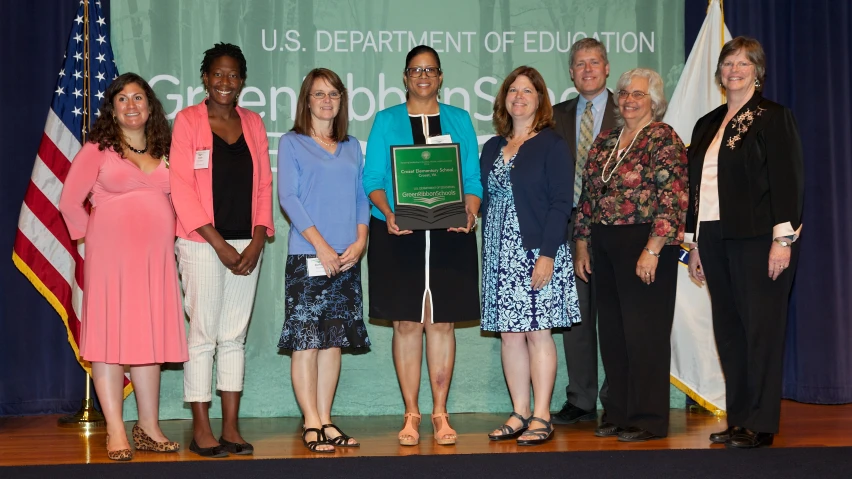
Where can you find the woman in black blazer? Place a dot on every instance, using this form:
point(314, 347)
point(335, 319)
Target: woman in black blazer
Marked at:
point(527, 272)
point(744, 217)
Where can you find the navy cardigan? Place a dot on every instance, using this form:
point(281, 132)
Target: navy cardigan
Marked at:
point(542, 186)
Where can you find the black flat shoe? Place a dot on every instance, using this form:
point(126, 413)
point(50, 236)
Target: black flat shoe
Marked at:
point(747, 439)
point(542, 434)
point(243, 449)
point(508, 432)
point(321, 440)
point(636, 434)
point(607, 429)
point(342, 440)
point(571, 414)
point(722, 437)
point(215, 451)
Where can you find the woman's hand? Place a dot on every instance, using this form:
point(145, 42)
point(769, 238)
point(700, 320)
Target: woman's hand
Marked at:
point(646, 267)
point(249, 258)
point(542, 272)
point(228, 255)
point(582, 261)
point(393, 229)
point(352, 255)
point(329, 259)
point(779, 260)
point(696, 271)
point(471, 207)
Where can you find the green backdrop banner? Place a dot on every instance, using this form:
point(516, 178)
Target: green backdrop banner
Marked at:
point(365, 42)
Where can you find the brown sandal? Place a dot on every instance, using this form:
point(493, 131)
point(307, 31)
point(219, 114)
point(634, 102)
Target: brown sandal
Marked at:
point(445, 430)
point(409, 436)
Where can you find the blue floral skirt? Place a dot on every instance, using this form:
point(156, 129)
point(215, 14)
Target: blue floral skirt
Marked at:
point(322, 312)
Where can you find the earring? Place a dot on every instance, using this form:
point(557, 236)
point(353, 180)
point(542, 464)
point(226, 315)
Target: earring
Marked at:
point(756, 83)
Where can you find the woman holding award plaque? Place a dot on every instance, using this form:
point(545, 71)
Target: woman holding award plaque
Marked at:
point(527, 274)
point(424, 280)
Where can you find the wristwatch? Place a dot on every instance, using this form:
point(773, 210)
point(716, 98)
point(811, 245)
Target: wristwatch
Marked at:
point(784, 241)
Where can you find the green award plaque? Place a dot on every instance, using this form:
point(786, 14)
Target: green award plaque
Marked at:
point(427, 187)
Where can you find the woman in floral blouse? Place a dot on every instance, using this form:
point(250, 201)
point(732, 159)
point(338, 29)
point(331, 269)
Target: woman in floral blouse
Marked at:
point(633, 210)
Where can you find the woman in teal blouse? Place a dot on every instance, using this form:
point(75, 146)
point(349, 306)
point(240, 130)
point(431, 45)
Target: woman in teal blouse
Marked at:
point(422, 281)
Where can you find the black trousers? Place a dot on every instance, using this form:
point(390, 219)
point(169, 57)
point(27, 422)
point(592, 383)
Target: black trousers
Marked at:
point(581, 346)
point(635, 324)
point(749, 322)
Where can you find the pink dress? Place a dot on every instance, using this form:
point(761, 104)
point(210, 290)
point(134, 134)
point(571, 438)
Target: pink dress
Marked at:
point(131, 310)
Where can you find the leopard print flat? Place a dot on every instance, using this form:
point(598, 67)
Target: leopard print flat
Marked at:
point(119, 455)
point(143, 442)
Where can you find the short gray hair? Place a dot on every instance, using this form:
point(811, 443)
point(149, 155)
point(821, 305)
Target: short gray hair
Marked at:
point(659, 104)
point(587, 43)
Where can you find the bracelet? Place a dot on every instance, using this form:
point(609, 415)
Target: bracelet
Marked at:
point(651, 252)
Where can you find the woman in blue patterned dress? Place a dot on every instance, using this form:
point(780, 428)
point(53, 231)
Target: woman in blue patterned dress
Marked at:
point(320, 171)
point(527, 272)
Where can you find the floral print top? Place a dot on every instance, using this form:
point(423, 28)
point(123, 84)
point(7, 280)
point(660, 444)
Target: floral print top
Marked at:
point(648, 186)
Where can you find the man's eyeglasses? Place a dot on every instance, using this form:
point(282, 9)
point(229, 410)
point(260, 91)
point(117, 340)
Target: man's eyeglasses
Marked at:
point(320, 95)
point(417, 72)
point(636, 95)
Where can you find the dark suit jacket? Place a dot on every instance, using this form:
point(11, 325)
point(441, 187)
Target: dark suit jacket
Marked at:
point(542, 186)
point(565, 116)
point(761, 182)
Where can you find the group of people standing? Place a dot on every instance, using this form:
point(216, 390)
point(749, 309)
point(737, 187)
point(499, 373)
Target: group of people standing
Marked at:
point(595, 188)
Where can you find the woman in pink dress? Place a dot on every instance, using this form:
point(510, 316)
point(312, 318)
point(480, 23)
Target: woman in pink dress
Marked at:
point(131, 298)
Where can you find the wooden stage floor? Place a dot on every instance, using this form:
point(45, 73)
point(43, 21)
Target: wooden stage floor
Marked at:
point(38, 440)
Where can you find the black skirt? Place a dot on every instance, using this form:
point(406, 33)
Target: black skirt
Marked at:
point(399, 277)
point(322, 312)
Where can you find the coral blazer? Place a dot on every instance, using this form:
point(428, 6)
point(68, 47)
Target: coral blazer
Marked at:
point(192, 188)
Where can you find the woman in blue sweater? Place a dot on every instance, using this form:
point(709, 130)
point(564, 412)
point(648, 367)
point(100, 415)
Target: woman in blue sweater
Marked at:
point(423, 281)
point(319, 187)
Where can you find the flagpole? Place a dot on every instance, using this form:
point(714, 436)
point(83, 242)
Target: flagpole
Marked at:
point(87, 417)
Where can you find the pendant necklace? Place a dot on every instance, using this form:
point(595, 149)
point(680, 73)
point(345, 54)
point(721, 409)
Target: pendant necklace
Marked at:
point(621, 157)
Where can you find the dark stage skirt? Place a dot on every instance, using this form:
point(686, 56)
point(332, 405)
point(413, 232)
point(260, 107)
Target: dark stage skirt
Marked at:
point(399, 276)
point(322, 312)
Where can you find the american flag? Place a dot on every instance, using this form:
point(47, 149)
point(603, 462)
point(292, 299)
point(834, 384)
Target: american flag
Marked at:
point(43, 250)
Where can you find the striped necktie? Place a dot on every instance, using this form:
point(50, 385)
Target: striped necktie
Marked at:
point(584, 143)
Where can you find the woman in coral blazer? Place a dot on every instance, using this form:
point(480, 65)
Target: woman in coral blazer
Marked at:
point(224, 215)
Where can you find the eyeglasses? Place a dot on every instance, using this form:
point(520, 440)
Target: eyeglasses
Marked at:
point(740, 65)
point(320, 95)
point(636, 94)
point(417, 72)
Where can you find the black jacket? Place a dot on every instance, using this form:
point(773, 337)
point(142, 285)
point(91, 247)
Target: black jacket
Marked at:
point(760, 169)
point(565, 116)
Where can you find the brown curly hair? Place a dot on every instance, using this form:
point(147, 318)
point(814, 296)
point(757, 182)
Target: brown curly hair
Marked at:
point(107, 133)
point(543, 116)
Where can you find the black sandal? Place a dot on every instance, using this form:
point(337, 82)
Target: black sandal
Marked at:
point(508, 432)
point(321, 441)
point(542, 434)
point(340, 441)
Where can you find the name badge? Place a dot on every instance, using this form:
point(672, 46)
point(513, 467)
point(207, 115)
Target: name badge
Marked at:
point(439, 140)
point(202, 159)
point(315, 267)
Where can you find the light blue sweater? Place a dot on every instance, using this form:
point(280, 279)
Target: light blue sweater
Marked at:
point(317, 188)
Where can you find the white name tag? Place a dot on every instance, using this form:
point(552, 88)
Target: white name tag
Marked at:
point(439, 140)
point(202, 159)
point(315, 267)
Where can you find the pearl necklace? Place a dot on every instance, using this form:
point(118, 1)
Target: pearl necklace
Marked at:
point(327, 145)
point(620, 157)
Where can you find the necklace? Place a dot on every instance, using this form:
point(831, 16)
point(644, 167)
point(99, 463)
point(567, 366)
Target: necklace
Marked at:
point(620, 157)
point(327, 145)
point(138, 152)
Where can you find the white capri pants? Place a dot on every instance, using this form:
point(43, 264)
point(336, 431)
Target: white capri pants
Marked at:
point(219, 305)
